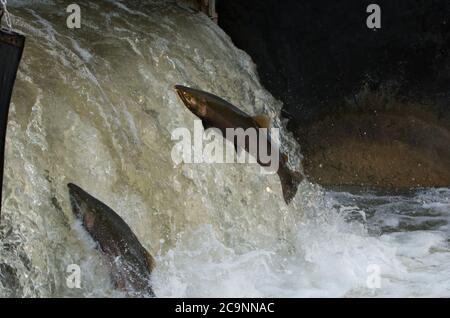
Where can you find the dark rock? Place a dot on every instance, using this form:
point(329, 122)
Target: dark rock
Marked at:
point(393, 147)
point(339, 79)
point(313, 55)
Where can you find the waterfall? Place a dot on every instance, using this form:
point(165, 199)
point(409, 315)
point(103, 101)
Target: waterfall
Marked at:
point(96, 106)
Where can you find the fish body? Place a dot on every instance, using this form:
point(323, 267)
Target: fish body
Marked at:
point(131, 264)
point(217, 113)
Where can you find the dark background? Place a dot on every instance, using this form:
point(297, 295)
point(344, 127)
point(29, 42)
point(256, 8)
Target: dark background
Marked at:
point(312, 55)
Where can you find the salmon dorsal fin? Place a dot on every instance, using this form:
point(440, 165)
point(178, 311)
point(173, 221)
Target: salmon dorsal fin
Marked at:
point(262, 121)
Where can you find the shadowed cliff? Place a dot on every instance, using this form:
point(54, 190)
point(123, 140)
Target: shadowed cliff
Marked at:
point(329, 69)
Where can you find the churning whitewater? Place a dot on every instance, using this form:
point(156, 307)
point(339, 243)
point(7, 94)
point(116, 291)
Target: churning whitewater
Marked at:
point(95, 106)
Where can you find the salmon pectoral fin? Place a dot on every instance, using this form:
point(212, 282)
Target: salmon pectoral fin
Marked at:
point(119, 282)
point(262, 121)
point(289, 182)
point(150, 261)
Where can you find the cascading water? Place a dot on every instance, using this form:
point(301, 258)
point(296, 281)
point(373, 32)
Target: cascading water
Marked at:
point(96, 106)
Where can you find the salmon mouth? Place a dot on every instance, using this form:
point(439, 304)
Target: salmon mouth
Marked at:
point(185, 94)
point(180, 91)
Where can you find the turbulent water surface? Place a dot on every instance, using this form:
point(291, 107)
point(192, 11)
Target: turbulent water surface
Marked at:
point(96, 107)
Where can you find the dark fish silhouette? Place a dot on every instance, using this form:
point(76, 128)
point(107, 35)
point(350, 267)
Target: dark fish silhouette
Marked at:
point(131, 264)
point(218, 113)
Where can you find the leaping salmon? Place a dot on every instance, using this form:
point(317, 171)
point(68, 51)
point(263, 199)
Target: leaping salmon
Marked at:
point(218, 113)
point(131, 264)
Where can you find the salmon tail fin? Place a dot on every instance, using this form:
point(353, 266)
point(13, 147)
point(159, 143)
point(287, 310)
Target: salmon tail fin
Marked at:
point(289, 180)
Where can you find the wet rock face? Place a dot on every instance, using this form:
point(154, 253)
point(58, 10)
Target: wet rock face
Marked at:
point(321, 60)
point(313, 55)
point(386, 149)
